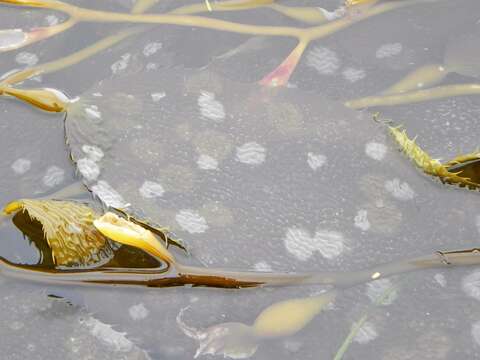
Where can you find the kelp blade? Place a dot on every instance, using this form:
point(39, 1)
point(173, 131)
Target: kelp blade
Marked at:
point(68, 230)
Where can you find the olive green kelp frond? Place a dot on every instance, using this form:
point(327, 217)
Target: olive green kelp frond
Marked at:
point(69, 234)
point(68, 229)
point(464, 170)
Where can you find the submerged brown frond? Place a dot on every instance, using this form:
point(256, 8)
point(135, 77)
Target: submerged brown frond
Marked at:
point(68, 229)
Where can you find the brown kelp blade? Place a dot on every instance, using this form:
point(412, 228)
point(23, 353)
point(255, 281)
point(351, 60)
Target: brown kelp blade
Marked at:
point(466, 166)
point(458, 171)
point(68, 230)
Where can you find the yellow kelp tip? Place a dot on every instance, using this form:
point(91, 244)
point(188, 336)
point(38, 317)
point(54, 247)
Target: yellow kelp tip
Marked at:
point(12, 207)
point(128, 233)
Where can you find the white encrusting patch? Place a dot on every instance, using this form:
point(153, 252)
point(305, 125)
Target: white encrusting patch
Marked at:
point(21, 166)
point(477, 222)
point(116, 340)
point(299, 243)
point(381, 291)
point(366, 333)
point(316, 161)
point(206, 162)
point(251, 153)
point(471, 285)
point(108, 195)
point(88, 168)
point(476, 332)
point(93, 113)
point(51, 20)
point(401, 191)
point(121, 64)
point(151, 189)
point(210, 108)
point(54, 176)
point(191, 221)
point(138, 312)
point(151, 48)
point(26, 58)
point(157, 96)
point(376, 150)
point(361, 220)
point(324, 60)
point(332, 15)
point(262, 266)
point(353, 75)
point(93, 152)
point(440, 279)
point(10, 39)
point(388, 50)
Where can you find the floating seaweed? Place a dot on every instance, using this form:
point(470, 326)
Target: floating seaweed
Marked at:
point(452, 172)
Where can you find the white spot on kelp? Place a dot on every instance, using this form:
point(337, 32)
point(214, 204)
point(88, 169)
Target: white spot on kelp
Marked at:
point(21, 166)
point(11, 39)
point(151, 189)
point(361, 220)
point(324, 60)
point(299, 243)
point(251, 153)
point(399, 190)
point(54, 176)
point(88, 168)
point(116, 340)
point(316, 161)
point(93, 113)
point(210, 108)
point(388, 50)
point(108, 195)
point(26, 58)
point(353, 75)
point(332, 15)
point(157, 96)
point(476, 332)
point(51, 20)
point(381, 291)
point(471, 285)
point(93, 152)
point(191, 221)
point(440, 279)
point(151, 48)
point(262, 266)
point(366, 333)
point(376, 150)
point(138, 312)
point(121, 64)
point(206, 162)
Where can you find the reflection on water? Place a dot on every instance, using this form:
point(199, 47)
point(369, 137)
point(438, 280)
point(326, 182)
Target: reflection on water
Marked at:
point(172, 120)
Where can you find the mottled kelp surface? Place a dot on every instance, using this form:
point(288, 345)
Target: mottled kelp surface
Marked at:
point(282, 178)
